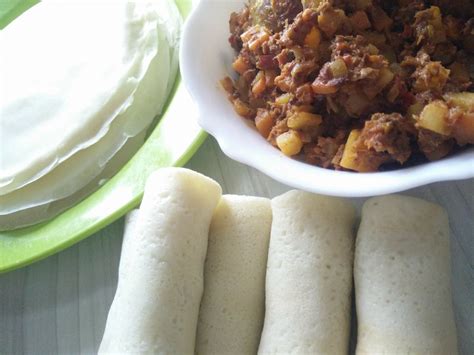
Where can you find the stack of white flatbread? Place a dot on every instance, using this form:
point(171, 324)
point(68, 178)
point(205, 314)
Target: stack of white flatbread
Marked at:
point(80, 84)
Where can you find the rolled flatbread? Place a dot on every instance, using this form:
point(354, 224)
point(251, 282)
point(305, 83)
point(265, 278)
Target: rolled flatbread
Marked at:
point(127, 244)
point(309, 276)
point(402, 278)
point(156, 306)
point(233, 303)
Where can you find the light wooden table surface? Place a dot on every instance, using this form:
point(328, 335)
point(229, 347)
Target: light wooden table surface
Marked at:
point(59, 305)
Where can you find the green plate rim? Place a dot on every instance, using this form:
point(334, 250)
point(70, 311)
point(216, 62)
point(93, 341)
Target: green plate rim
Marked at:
point(117, 196)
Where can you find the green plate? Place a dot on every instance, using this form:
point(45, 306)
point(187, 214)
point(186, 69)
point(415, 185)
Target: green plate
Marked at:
point(172, 143)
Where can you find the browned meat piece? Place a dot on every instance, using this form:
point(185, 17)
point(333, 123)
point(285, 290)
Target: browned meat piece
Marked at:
point(266, 62)
point(433, 145)
point(357, 75)
point(324, 151)
point(445, 53)
point(296, 33)
point(298, 70)
point(327, 81)
point(460, 116)
point(388, 133)
point(360, 21)
point(304, 94)
point(429, 29)
point(427, 75)
point(357, 156)
point(462, 126)
point(279, 128)
point(432, 76)
point(333, 20)
point(238, 23)
point(274, 14)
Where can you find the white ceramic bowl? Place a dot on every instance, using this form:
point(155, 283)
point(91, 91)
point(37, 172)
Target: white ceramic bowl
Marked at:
point(206, 58)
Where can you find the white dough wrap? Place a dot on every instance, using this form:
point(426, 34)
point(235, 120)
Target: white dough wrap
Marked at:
point(309, 276)
point(402, 278)
point(155, 309)
point(233, 304)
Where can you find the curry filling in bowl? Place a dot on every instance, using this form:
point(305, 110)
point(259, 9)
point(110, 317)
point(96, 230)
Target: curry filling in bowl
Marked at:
point(360, 85)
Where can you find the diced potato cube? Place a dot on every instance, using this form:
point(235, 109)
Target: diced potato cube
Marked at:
point(372, 49)
point(240, 65)
point(323, 88)
point(436, 16)
point(434, 118)
point(257, 42)
point(330, 21)
point(393, 93)
point(259, 84)
point(463, 128)
point(301, 120)
point(255, 36)
point(464, 100)
point(289, 143)
point(433, 76)
point(386, 76)
point(350, 157)
point(338, 68)
point(414, 110)
point(270, 76)
point(283, 99)
point(264, 122)
point(242, 108)
point(313, 38)
point(227, 85)
point(356, 103)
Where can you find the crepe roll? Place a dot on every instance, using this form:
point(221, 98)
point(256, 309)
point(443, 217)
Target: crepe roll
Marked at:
point(156, 306)
point(232, 308)
point(126, 254)
point(402, 278)
point(309, 276)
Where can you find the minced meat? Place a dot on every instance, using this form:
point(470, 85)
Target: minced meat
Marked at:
point(356, 85)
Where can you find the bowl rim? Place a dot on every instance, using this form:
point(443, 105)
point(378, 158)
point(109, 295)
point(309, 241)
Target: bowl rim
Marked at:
point(287, 170)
